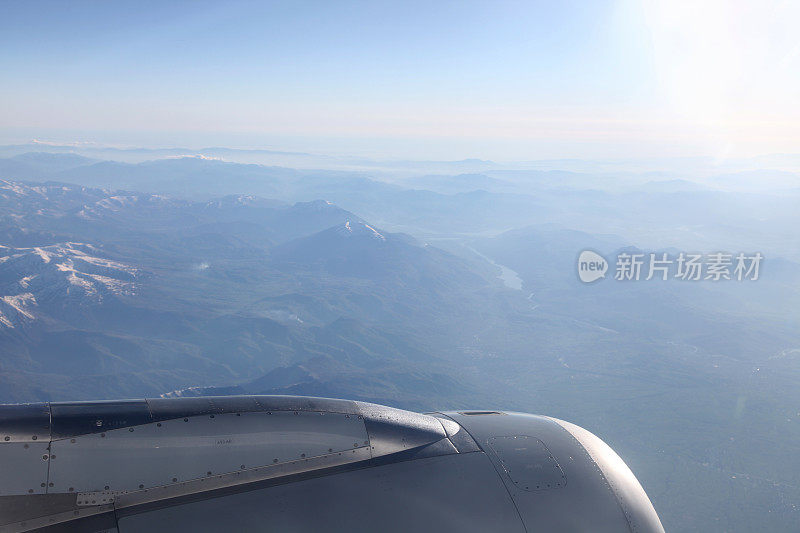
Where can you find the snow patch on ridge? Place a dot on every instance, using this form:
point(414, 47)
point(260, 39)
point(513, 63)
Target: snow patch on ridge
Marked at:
point(72, 269)
point(349, 229)
point(15, 310)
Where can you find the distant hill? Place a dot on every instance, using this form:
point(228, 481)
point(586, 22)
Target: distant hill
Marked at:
point(40, 165)
point(160, 293)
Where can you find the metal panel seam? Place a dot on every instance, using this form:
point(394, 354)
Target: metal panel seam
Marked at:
point(446, 435)
point(49, 446)
point(500, 474)
point(622, 506)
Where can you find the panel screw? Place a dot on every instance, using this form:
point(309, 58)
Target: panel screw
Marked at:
point(159, 424)
point(106, 487)
point(30, 491)
point(302, 455)
point(44, 457)
point(208, 473)
point(42, 485)
point(185, 419)
point(103, 435)
point(141, 486)
point(50, 484)
point(274, 460)
point(131, 430)
point(34, 437)
point(174, 479)
point(210, 416)
point(242, 467)
point(7, 439)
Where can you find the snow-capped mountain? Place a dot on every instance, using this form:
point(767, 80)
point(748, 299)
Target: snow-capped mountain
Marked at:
point(68, 274)
point(103, 289)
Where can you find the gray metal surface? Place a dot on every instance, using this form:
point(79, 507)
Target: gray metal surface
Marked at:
point(587, 502)
point(395, 430)
point(23, 467)
point(16, 509)
point(24, 422)
point(261, 462)
point(57, 420)
point(207, 486)
point(528, 462)
point(448, 493)
point(69, 419)
point(169, 408)
point(461, 439)
point(65, 521)
point(87, 504)
point(635, 503)
point(196, 447)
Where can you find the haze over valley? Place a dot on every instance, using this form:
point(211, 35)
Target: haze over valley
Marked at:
point(425, 285)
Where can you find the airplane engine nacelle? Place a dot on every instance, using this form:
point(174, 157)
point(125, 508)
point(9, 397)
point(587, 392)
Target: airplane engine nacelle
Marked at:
point(299, 464)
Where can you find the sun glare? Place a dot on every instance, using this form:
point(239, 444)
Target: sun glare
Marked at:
point(730, 68)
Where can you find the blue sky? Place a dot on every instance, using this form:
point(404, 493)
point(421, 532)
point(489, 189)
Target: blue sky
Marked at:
point(503, 80)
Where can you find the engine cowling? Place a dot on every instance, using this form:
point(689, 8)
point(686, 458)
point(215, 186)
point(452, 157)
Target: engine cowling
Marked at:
point(290, 463)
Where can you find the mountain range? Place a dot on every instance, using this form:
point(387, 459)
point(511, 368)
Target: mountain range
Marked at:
point(193, 276)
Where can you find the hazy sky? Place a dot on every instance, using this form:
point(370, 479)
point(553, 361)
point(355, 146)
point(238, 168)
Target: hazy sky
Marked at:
point(501, 80)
